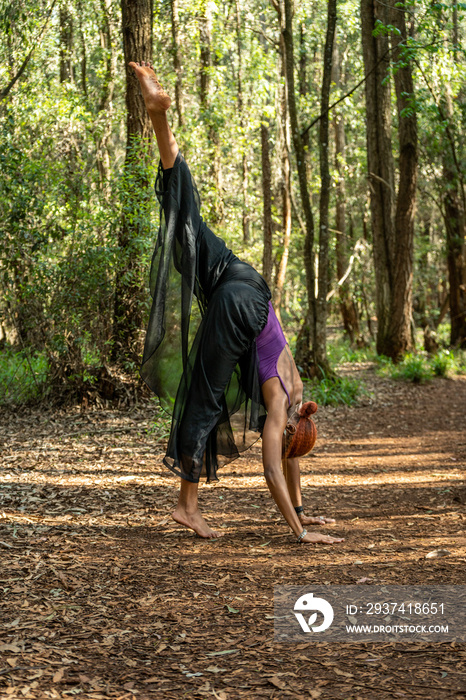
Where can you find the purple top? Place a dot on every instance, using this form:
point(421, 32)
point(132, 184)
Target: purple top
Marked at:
point(270, 343)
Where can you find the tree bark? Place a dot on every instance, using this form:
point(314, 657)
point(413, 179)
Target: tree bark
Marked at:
point(137, 43)
point(304, 356)
point(348, 308)
point(177, 61)
point(205, 40)
point(267, 259)
point(285, 186)
point(379, 161)
point(455, 217)
point(320, 335)
point(400, 333)
point(66, 44)
point(106, 96)
point(392, 216)
point(244, 148)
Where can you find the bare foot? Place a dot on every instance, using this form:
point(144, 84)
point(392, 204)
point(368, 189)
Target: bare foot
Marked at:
point(155, 97)
point(315, 520)
point(318, 538)
point(196, 522)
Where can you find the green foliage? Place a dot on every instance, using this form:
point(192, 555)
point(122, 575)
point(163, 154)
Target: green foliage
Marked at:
point(331, 391)
point(23, 377)
point(420, 367)
point(340, 350)
point(414, 368)
point(447, 363)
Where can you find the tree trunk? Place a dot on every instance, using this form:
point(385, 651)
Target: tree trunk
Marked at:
point(348, 308)
point(137, 43)
point(455, 221)
point(267, 259)
point(379, 161)
point(304, 357)
point(320, 334)
point(244, 146)
point(66, 44)
point(106, 97)
point(392, 217)
point(400, 335)
point(285, 186)
point(177, 61)
point(205, 40)
point(456, 252)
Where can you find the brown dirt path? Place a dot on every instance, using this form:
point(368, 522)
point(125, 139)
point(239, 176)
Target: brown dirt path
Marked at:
point(102, 596)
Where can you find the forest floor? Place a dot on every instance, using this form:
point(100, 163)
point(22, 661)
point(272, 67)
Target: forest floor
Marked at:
point(104, 596)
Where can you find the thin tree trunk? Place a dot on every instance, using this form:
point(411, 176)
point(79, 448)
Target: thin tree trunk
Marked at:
point(303, 351)
point(245, 169)
point(379, 161)
point(137, 43)
point(285, 187)
point(400, 334)
point(106, 96)
point(267, 259)
point(455, 220)
point(66, 44)
point(347, 306)
point(320, 342)
point(177, 61)
point(205, 40)
point(456, 248)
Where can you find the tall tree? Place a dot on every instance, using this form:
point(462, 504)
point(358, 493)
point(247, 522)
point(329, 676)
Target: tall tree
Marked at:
point(66, 43)
point(137, 43)
point(348, 308)
point(392, 215)
point(314, 327)
point(242, 123)
point(267, 257)
point(285, 182)
point(303, 350)
point(177, 61)
point(320, 333)
point(454, 207)
point(206, 63)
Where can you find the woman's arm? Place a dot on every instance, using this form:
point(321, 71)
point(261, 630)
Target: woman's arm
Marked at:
point(276, 404)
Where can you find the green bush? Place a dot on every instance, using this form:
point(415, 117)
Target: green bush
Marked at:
point(446, 363)
point(23, 377)
point(340, 350)
point(331, 391)
point(414, 368)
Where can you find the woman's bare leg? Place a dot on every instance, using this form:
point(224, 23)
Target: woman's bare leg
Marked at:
point(157, 103)
point(187, 511)
point(292, 474)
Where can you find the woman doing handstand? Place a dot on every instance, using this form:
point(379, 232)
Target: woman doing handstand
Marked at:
point(238, 357)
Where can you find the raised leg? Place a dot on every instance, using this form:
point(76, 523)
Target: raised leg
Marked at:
point(157, 103)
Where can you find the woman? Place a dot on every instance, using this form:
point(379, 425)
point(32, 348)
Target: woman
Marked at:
point(219, 373)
